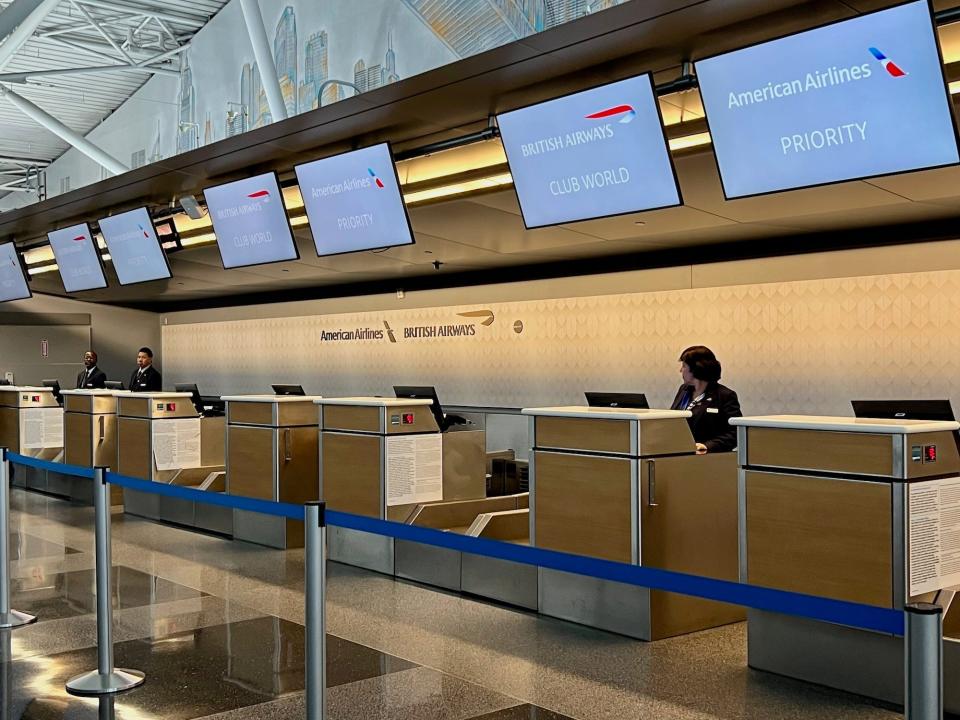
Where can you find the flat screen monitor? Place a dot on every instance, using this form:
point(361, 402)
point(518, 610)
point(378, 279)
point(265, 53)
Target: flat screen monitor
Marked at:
point(113, 385)
point(134, 247)
point(592, 154)
point(615, 400)
point(78, 258)
point(194, 394)
point(281, 389)
point(854, 99)
point(903, 409)
point(353, 201)
point(424, 392)
point(250, 222)
point(55, 384)
point(13, 277)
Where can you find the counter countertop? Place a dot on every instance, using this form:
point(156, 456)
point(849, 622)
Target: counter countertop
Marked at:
point(374, 401)
point(846, 424)
point(583, 411)
point(24, 388)
point(157, 395)
point(271, 398)
point(96, 392)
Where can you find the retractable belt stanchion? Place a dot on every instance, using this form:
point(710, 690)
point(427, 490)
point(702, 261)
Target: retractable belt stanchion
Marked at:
point(923, 645)
point(106, 678)
point(9, 618)
point(315, 528)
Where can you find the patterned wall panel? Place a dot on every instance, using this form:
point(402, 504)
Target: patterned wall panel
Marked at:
point(804, 347)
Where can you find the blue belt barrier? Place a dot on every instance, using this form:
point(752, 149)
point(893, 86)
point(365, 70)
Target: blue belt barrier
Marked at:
point(62, 468)
point(867, 617)
point(237, 502)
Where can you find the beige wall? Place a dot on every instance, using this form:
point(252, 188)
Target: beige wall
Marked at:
point(799, 334)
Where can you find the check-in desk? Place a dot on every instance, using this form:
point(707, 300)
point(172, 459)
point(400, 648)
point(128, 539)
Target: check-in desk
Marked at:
point(161, 438)
point(272, 454)
point(626, 485)
point(383, 458)
point(90, 436)
point(31, 424)
point(860, 510)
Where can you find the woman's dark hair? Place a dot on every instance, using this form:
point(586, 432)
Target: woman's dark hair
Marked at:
point(702, 363)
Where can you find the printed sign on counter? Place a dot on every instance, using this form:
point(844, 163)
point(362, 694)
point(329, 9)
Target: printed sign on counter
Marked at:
point(414, 469)
point(176, 444)
point(41, 428)
point(934, 533)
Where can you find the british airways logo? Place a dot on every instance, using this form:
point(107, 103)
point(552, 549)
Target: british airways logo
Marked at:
point(263, 195)
point(625, 113)
point(80, 238)
point(889, 65)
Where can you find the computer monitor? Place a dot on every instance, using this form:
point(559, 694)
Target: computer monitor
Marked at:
point(281, 389)
point(4, 381)
point(55, 384)
point(617, 400)
point(904, 409)
point(194, 394)
point(113, 385)
point(424, 392)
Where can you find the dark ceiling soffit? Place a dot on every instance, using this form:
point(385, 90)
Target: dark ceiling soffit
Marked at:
point(800, 244)
point(441, 103)
point(44, 319)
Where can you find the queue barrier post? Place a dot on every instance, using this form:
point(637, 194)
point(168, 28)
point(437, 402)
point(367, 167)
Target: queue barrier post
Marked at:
point(106, 679)
point(9, 618)
point(315, 529)
point(923, 647)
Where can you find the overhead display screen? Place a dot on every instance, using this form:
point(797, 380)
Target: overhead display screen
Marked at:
point(134, 247)
point(13, 281)
point(855, 99)
point(353, 201)
point(250, 221)
point(592, 154)
point(78, 258)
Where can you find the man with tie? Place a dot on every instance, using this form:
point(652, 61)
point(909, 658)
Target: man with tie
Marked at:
point(91, 376)
point(145, 378)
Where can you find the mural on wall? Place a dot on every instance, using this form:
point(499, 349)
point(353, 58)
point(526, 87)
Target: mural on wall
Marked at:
point(323, 52)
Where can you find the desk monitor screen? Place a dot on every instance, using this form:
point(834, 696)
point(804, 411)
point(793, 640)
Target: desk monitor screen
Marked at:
point(78, 258)
point(592, 154)
point(194, 395)
point(13, 277)
point(250, 222)
point(617, 400)
point(55, 384)
point(854, 99)
point(353, 201)
point(424, 392)
point(134, 247)
point(113, 385)
point(288, 390)
point(904, 409)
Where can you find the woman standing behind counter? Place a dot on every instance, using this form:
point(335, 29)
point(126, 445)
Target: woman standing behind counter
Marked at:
point(711, 403)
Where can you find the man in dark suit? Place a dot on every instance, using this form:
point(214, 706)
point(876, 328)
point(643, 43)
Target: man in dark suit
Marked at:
point(711, 404)
point(91, 377)
point(145, 378)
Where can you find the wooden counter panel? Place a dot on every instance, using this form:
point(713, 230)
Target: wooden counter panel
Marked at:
point(666, 436)
point(78, 440)
point(10, 427)
point(297, 413)
point(821, 451)
point(212, 438)
point(588, 434)
point(356, 418)
point(250, 413)
point(251, 461)
point(351, 473)
point(133, 407)
point(300, 474)
point(104, 431)
point(583, 505)
point(133, 448)
point(820, 536)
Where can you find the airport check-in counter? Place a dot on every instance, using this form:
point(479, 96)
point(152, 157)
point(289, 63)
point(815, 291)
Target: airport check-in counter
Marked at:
point(626, 485)
point(161, 438)
point(31, 424)
point(384, 458)
point(862, 510)
point(90, 436)
point(272, 454)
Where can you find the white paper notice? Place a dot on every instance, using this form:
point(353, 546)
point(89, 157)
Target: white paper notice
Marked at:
point(41, 428)
point(414, 469)
point(176, 443)
point(934, 532)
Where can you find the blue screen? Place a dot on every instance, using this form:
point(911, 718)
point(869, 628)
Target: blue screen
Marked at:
point(596, 153)
point(250, 221)
point(78, 258)
point(13, 283)
point(134, 248)
point(855, 99)
point(353, 201)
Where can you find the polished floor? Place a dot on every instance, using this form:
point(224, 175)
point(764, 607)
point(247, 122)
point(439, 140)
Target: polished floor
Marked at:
point(218, 629)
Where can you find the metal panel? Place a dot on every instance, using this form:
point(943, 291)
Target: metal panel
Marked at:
point(500, 580)
point(623, 609)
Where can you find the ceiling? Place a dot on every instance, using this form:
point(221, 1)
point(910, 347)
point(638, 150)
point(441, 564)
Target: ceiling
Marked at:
point(481, 238)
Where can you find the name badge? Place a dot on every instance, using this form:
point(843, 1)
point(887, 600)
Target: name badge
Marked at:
point(713, 410)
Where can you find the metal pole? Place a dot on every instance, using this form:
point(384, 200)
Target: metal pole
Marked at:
point(9, 618)
point(106, 678)
point(264, 57)
point(923, 645)
point(315, 529)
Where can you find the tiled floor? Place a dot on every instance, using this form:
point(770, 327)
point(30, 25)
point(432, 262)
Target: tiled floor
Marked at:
point(217, 627)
